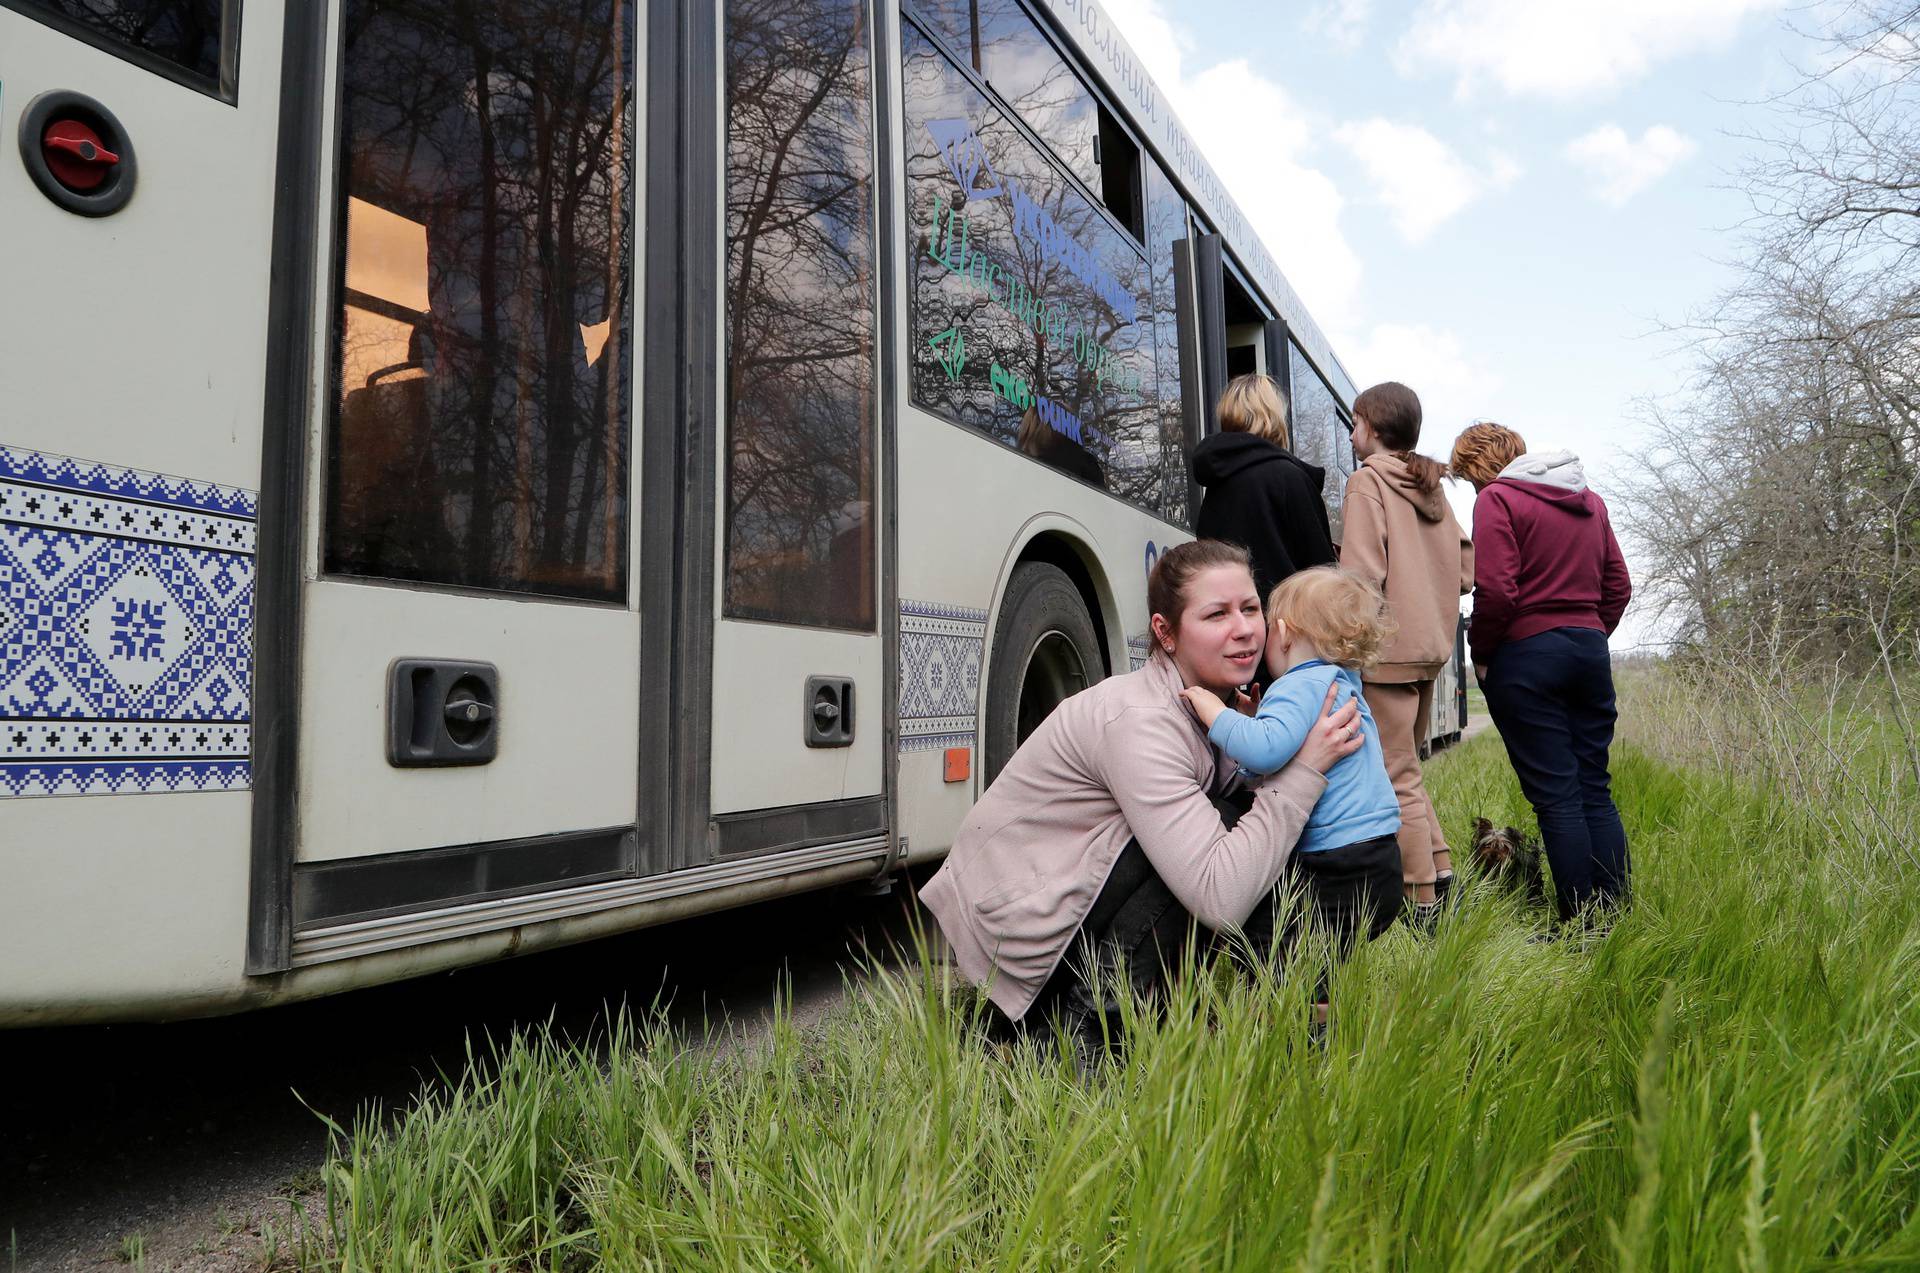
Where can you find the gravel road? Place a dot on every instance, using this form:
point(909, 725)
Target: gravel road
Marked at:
point(173, 1146)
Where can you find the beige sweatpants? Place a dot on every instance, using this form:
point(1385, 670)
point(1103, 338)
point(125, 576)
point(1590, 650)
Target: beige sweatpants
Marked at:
point(1402, 712)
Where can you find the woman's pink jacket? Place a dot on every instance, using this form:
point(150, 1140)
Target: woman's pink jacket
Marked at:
point(1123, 758)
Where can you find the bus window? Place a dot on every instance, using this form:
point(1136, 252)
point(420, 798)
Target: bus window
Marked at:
point(1029, 308)
point(480, 434)
point(1321, 434)
point(1119, 159)
point(193, 41)
point(1246, 330)
point(955, 21)
point(800, 314)
point(1030, 75)
point(1166, 225)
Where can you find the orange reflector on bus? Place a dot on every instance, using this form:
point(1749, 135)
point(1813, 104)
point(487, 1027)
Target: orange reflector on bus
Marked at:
point(959, 764)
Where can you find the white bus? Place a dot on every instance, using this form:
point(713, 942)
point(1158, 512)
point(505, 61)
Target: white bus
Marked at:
point(476, 475)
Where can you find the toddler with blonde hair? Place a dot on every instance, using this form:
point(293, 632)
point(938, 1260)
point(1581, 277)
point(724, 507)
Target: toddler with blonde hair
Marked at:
point(1325, 626)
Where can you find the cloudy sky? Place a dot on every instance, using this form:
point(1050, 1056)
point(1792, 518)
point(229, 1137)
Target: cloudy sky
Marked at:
point(1499, 202)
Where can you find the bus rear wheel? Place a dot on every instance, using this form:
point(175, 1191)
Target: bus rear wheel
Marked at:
point(1044, 652)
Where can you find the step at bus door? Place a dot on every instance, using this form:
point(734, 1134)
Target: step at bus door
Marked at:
point(469, 668)
point(801, 701)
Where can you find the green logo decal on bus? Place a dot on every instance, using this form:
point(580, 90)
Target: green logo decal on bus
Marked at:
point(950, 347)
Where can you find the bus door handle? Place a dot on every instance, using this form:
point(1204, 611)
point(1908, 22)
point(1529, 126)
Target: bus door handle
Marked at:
point(829, 708)
point(442, 712)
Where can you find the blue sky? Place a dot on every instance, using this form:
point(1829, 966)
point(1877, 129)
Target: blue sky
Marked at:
point(1497, 201)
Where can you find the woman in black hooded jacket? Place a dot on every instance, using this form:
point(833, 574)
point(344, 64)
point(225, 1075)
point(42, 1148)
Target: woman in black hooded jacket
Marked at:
point(1259, 494)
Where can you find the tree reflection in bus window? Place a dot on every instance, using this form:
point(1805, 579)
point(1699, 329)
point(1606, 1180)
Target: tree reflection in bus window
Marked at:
point(481, 433)
point(955, 21)
point(1007, 317)
point(182, 33)
point(1005, 46)
point(800, 313)
point(1030, 75)
point(1166, 225)
point(1320, 434)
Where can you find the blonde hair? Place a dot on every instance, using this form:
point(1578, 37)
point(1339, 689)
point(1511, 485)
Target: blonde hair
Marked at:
point(1254, 404)
point(1483, 449)
point(1342, 614)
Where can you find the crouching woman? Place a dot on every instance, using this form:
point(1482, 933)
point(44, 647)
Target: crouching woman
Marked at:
point(1104, 833)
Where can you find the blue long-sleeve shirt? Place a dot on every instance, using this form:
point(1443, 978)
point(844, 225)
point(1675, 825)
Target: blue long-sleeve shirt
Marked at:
point(1359, 803)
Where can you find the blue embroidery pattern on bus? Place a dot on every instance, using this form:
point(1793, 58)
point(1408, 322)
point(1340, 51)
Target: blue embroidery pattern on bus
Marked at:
point(941, 648)
point(126, 629)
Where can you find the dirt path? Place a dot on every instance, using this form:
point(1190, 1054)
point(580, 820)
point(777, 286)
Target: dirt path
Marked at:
point(177, 1146)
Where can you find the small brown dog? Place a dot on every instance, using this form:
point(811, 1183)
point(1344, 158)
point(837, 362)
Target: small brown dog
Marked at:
point(1510, 858)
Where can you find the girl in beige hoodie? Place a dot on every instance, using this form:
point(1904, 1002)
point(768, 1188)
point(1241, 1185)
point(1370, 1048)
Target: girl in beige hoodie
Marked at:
point(1402, 537)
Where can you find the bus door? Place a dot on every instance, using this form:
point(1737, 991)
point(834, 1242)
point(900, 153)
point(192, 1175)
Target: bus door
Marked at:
point(469, 725)
point(1233, 328)
point(800, 697)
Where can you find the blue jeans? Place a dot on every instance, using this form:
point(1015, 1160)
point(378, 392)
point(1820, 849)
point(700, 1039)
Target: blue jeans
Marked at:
point(1551, 698)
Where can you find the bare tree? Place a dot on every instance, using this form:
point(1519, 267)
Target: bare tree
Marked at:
point(1781, 494)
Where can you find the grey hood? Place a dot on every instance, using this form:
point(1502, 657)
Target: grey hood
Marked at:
point(1561, 469)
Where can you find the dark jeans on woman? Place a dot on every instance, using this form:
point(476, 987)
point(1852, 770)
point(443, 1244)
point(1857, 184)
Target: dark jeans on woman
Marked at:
point(1137, 923)
point(1551, 698)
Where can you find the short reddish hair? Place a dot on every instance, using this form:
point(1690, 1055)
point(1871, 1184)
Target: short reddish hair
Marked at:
point(1483, 449)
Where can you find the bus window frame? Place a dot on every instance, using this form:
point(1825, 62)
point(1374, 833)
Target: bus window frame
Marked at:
point(878, 175)
point(1230, 268)
point(1342, 411)
point(330, 349)
point(224, 86)
point(964, 66)
point(1200, 220)
point(911, 13)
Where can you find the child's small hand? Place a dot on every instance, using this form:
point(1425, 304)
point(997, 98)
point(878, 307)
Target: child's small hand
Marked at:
point(1205, 704)
point(1247, 701)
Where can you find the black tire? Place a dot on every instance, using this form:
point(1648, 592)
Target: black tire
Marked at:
point(1044, 652)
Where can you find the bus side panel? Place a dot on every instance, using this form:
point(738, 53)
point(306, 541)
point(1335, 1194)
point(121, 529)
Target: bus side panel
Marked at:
point(119, 907)
point(967, 504)
point(132, 351)
point(138, 339)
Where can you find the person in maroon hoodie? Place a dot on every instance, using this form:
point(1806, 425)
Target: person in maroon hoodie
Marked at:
point(1549, 587)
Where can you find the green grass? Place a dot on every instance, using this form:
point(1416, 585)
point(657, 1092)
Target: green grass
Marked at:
point(1729, 1080)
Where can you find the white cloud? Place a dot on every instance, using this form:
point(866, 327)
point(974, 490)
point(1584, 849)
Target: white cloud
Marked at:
point(1292, 205)
point(1155, 40)
point(1621, 167)
point(1418, 177)
point(1343, 22)
point(1454, 390)
point(1563, 48)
